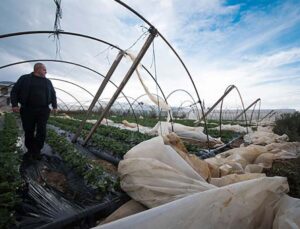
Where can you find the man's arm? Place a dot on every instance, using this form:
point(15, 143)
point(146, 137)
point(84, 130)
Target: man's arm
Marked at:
point(14, 94)
point(53, 98)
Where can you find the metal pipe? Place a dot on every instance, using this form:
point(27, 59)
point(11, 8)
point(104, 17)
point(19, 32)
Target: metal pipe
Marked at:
point(102, 210)
point(253, 112)
point(71, 96)
point(63, 103)
point(216, 103)
point(194, 102)
point(244, 111)
point(220, 120)
point(176, 54)
point(98, 93)
point(153, 33)
point(267, 115)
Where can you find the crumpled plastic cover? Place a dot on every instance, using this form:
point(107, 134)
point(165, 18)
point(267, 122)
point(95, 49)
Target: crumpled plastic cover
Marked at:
point(258, 203)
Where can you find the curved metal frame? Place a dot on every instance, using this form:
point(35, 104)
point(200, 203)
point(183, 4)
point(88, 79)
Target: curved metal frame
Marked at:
point(185, 101)
point(137, 98)
point(71, 96)
point(67, 62)
point(220, 120)
point(92, 38)
point(141, 108)
point(118, 103)
point(68, 109)
point(259, 100)
point(83, 36)
point(176, 54)
point(182, 90)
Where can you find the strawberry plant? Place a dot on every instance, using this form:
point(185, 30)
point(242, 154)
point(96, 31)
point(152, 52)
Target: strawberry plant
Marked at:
point(10, 180)
point(94, 174)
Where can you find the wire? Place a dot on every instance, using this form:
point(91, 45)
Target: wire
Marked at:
point(155, 76)
point(144, 34)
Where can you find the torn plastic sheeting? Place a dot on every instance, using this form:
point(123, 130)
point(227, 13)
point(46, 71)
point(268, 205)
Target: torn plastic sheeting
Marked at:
point(155, 99)
point(98, 211)
point(74, 183)
point(155, 148)
point(153, 173)
point(45, 206)
point(264, 138)
point(188, 133)
point(176, 127)
point(253, 156)
point(49, 208)
point(234, 128)
point(258, 203)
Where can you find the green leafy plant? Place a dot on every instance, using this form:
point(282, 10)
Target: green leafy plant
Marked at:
point(94, 174)
point(10, 180)
point(288, 124)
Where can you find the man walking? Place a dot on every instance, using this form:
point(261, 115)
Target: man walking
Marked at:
point(34, 92)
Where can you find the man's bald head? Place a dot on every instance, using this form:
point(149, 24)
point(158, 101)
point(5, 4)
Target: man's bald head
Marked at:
point(39, 69)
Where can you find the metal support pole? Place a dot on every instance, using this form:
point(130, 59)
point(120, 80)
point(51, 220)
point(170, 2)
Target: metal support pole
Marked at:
point(99, 92)
point(216, 103)
point(153, 33)
point(244, 111)
point(267, 115)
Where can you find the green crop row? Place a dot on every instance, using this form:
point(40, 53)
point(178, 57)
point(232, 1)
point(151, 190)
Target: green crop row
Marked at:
point(94, 175)
point(112, 139)
point(10, 179)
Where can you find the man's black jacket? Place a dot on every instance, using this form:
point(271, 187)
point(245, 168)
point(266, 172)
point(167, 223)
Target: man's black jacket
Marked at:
point(20, 92)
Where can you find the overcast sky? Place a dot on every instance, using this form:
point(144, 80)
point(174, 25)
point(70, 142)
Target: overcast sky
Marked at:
point(252, 44)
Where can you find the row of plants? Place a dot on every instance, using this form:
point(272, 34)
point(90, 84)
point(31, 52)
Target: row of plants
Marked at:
point(10, 179)
point(149, 122)
point(127, 136)
point(94, 174)
point(116, 147)
point(105, 136)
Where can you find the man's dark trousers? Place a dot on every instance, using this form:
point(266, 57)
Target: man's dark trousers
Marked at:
point(34, 119)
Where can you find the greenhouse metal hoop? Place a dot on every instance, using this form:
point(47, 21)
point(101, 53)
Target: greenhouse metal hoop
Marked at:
point(220, 118)
point(79, 65)
point(174, 51)
point(177, 90)
point(71, 96)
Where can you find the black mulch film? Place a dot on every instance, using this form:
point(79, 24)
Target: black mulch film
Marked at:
point(64, 201)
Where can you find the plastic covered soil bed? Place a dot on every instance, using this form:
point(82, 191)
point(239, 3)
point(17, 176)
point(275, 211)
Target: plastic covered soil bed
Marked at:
point(65, 188)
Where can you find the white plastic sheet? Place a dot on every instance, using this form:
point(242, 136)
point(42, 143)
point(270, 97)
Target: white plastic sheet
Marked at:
point(187, 133)
point(264, 138)
point(234, 128)
point(259, 203)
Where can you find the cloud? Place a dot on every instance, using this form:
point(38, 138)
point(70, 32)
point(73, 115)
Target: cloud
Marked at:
point(256, 48)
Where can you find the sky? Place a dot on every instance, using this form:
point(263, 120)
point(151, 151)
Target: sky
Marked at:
point(254, 45)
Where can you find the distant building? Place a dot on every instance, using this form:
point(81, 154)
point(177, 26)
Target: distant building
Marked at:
point(5, 88)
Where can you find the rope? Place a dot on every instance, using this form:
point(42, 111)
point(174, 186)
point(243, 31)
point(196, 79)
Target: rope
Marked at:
point(57, 27)
point(155, 76)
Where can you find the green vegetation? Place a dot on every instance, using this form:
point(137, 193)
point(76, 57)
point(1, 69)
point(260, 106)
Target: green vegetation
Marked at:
point(94, 174)
point(10, 179)
point(226, 135)
point(288, 124)
point(108, 138)
point(289, 169)
point(147, 121)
